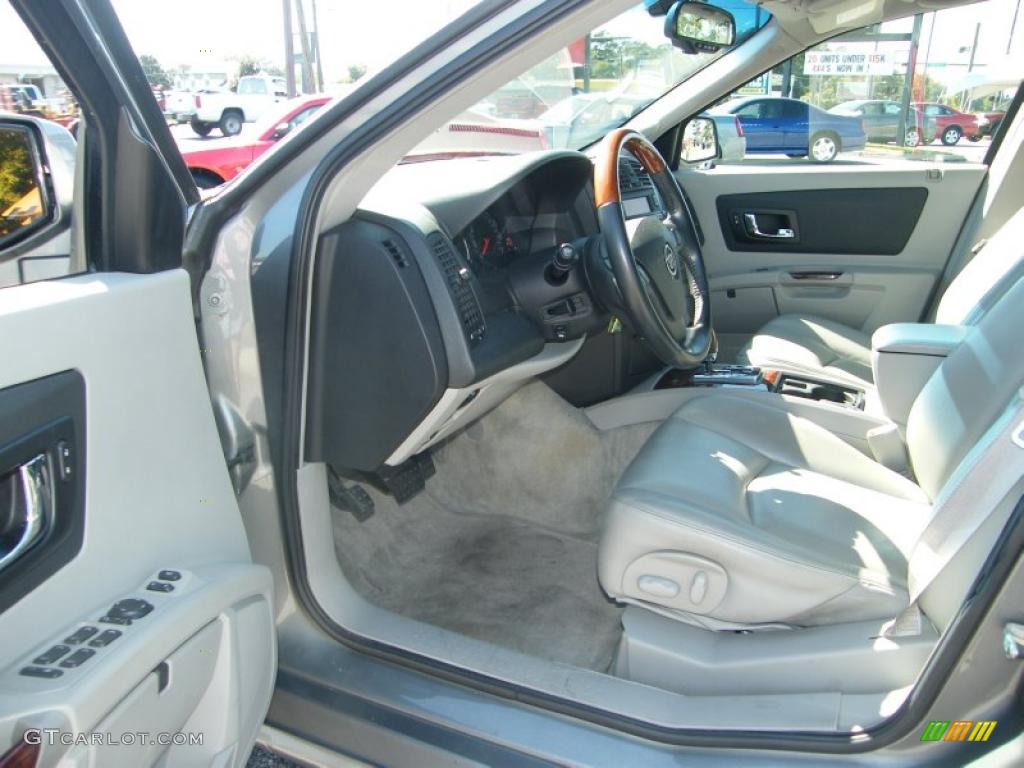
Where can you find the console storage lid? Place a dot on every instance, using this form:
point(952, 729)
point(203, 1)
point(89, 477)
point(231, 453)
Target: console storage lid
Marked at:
point(903, 357)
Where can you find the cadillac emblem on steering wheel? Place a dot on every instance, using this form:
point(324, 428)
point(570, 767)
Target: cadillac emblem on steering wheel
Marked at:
point(671, 262)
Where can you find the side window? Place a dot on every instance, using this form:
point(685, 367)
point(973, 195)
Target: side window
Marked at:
point(752, 110)
point(37, 162)
point(303, 116)
point(794, 110)
point(886, 92)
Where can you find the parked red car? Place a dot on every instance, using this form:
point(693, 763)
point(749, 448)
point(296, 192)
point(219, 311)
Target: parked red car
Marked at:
point(950, 124)
point(224, 159)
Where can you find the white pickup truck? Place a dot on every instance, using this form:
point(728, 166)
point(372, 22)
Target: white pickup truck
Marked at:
point(254, 95)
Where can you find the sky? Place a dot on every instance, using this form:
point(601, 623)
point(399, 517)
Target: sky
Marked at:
point(208, 33)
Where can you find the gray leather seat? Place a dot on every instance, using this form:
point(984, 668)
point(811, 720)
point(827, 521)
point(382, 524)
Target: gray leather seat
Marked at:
point(824, 348)
point(738, 512)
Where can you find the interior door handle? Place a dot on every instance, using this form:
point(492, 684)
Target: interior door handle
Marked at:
point(754, 230)
point(31, 512)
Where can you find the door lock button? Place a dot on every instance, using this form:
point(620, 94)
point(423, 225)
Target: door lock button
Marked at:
point(51, 655)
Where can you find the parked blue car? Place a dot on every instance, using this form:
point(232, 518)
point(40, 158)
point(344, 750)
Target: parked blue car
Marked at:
point(774, 125)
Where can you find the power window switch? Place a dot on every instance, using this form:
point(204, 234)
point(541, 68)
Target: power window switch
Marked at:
point(78, 658)
point(80, 635)
point(51, 655)
point(169, 575)
point(45, 672)
point(119, 620)
point(160, 586)
point(106, 638)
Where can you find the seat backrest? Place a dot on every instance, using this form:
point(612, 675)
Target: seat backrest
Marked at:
point(968, 392)
point(996, 266)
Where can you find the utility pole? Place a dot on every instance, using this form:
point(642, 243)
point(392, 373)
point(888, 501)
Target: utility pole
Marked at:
point(316, 52)
point(908, 81)
point(289, 51)
point(965, 102)
point(307, 66)
point(1013, 26)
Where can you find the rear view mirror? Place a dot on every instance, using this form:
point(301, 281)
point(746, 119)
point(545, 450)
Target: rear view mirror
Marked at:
point(700, 141)
point(26, 200)
point(699, 28)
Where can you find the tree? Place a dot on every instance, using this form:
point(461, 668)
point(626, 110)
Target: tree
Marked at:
point(252, 65)
point(155, 74)
point(356, 71)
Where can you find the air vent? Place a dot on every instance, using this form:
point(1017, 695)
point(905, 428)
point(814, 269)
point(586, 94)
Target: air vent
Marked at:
point(396, 253)
point(460, 287)
point(633, 178)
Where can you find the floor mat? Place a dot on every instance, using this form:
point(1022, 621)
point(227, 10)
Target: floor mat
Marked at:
point(509, 582)
point(502, 546)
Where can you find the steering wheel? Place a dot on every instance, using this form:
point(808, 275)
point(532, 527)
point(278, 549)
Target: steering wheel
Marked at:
point(657, 263)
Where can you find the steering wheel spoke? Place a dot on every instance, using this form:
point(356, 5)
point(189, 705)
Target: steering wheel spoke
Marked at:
point(657, 263)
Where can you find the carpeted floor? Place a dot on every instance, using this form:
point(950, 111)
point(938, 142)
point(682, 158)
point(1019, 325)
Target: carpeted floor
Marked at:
point(502, 546)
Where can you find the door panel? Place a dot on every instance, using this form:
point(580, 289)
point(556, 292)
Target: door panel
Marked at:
point(871, 240)
point(113, 367)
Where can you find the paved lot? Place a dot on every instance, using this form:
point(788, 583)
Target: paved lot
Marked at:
point(187, 138)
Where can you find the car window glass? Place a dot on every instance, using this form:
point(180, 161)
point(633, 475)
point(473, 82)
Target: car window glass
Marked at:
point(304, 115)
point(752, 110)
point(37, 160)
point(870, 111)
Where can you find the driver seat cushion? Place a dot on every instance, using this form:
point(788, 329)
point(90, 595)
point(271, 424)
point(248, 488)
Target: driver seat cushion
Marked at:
point(814, 346)
point(739, 511)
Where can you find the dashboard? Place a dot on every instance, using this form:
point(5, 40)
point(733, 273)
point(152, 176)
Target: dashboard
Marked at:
point(441, 288)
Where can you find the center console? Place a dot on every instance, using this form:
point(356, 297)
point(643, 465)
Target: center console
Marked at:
point(765, 380)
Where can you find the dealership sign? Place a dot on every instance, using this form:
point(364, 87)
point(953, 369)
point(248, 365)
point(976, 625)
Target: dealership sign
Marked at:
point(844, 63)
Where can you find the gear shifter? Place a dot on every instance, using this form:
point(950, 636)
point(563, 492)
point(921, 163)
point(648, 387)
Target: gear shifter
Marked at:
point(709, 373)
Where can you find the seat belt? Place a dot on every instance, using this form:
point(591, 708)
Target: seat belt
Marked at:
point(976, 489)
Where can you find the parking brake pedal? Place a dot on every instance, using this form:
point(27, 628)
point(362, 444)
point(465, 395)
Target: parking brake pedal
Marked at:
point(351, 498)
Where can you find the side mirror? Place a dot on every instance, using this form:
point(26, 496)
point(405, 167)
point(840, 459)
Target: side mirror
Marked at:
point(281, 130)
point(27, 202)
point(700, 141)
point(699, 28)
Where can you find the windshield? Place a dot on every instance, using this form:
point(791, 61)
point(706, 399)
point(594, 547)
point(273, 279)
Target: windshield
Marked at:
point(575, 97)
